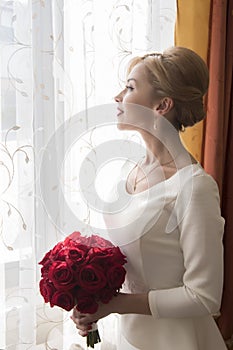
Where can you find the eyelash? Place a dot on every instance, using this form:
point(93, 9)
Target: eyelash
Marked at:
point(129, 87)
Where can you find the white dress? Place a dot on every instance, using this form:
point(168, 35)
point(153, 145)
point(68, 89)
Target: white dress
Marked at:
point(172, 237)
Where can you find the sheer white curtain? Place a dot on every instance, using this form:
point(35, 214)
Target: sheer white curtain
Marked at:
point(57, 58)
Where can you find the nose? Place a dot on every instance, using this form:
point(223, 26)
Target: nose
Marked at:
point(118, 98)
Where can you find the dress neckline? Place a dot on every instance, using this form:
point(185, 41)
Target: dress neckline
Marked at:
point(164, 182)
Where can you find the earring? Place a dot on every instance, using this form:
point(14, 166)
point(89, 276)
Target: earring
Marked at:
point(155, 124)
point(182, 128)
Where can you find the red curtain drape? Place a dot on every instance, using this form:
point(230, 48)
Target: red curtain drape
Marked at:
point(218, 138)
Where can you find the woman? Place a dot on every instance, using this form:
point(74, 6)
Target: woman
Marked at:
point(175, 261)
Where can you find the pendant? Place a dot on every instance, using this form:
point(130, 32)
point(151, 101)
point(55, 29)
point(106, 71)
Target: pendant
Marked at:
point(134, 186)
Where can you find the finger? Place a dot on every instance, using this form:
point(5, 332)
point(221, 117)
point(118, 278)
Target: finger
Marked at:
point(87, 319)
point(82, 328)
point(74, 319)
point(76, 313)
point(82, 325)
point(83, 333)
point(77, 317)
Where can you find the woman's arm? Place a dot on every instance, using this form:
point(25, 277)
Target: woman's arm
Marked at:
point(201, 231)
point(121, 304)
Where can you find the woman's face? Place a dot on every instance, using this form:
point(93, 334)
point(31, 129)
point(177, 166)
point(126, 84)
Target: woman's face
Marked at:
point(137, 94)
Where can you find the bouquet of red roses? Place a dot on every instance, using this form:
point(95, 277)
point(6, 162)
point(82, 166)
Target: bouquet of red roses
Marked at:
point(82, 271)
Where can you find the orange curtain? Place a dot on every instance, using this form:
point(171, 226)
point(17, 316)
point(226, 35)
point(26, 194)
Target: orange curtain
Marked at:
point(192, 31)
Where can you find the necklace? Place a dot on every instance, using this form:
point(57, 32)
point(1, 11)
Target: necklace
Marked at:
point(144, 176)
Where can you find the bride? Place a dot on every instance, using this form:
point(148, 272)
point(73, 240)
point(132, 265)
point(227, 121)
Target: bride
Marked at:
point(172, 231)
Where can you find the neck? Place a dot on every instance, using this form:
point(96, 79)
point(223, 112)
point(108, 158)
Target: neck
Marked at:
point(163, 148)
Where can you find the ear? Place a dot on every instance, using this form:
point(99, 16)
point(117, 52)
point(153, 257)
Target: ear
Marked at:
point(164, 106)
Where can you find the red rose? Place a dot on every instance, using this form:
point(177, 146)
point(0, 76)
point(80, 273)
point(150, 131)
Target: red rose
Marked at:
point(91, 278)
point(97, 241)
point(58, 247)
point(96, 251)
point(98, 256)
point(61, 274)
point(75, 270)
point(63, 299)
point(85, 302)
point(106, 294)
point(75, 236)
point(116, 276)
point(46, 258)
point(47, 289)
point(61, 254)
point(73, 251)
point(116, 256)
point(46, 262)
point(45, 269)
point(77, 254)
point(105, 257)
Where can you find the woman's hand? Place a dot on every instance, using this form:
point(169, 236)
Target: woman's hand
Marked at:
point(121, 304)
point(83, 321)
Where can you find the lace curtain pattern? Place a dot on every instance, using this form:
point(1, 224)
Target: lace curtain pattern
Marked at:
point(58, 58)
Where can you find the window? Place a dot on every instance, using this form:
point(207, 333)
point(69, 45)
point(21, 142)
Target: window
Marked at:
point(58, 58)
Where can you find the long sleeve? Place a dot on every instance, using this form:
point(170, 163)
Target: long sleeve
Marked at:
point(201, 231)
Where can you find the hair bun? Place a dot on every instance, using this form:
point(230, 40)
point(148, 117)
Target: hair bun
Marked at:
point(190, 112)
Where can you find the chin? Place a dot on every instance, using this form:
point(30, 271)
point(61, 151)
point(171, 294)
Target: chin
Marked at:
point(123, 126)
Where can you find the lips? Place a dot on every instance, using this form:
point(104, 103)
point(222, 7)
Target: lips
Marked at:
point(120, 111)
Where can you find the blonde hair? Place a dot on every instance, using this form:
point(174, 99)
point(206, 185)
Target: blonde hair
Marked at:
point(181, 74)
